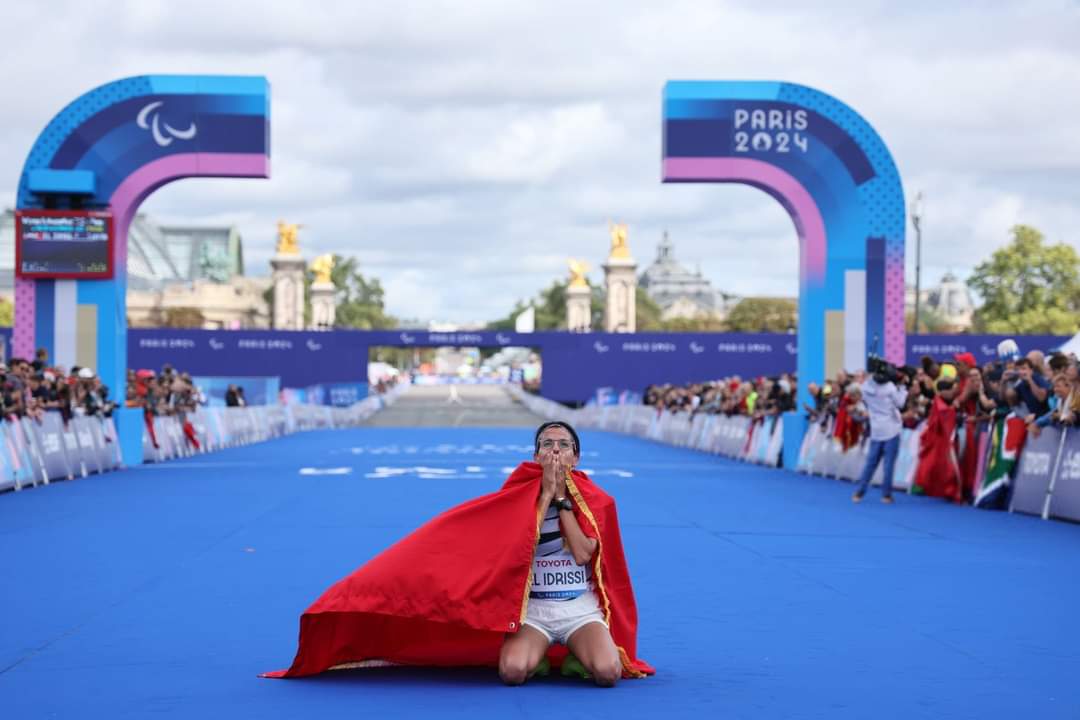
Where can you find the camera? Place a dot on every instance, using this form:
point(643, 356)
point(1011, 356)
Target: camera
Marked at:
point(882, 370)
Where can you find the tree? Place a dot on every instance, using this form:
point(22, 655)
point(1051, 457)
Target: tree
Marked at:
point(550, 306)
point(1028, 287)
point(359, 300)
point(508, 322)
point(182, 317)
point(930, 321)
point(647, 312)
point(696, 324)
point(762, 315)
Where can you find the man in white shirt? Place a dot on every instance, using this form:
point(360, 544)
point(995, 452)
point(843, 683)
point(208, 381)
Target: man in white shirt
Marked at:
point(884, 401)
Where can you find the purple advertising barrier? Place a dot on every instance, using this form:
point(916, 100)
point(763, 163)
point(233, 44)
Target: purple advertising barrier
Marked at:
point(1038, 462)
point(1065, 488)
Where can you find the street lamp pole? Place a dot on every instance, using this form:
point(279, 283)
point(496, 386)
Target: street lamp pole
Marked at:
point(916, 220)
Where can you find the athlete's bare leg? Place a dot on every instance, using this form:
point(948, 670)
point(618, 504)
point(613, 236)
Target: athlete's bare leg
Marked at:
point(593, 646)
point(521, 653)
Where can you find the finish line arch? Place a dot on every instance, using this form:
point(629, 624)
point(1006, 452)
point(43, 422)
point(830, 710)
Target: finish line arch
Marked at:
point(108, 150)
point(837, 180)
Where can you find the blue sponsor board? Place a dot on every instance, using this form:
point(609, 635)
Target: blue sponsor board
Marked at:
point(300, 359)
point(575, 365)
point(983, 347)
point(257, 390)
point(336, 394)
point(1065, 501)
point(1038, 461)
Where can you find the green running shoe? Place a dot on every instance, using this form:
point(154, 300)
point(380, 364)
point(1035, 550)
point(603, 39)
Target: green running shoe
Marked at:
point(572, 667)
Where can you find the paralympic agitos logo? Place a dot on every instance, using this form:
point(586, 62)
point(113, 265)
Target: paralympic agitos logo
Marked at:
point(149, 118)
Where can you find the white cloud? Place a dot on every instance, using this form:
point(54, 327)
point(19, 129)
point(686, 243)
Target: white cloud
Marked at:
point(463, 150)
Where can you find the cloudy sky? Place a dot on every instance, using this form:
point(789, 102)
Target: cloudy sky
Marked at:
point(463, 150)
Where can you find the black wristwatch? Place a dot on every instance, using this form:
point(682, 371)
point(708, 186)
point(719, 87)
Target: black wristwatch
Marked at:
point(563, 503)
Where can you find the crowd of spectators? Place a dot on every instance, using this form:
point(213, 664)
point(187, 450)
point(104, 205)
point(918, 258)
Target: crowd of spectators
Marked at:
point(30, 388)
point(1042, 389)
point(170, 393)
point(165, 393)
point(754, 397)
point(1039, 388)
point(954, 398)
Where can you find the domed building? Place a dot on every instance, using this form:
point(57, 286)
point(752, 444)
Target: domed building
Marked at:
point(950, 299)
point(679, 292)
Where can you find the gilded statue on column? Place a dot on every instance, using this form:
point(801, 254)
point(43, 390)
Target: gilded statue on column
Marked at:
point(578, 268)
point(322, 266)
point(286, 238)
point(619, 248)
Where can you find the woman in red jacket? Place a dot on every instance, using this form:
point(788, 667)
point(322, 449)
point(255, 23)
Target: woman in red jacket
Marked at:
point(938, 474)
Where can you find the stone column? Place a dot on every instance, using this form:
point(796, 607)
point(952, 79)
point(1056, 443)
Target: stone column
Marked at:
point(620, 280)
point(323, 308)
point(578, 308)
point(288, 278)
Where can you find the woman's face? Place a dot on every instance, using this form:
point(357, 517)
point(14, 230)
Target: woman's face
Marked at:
point(557, 442)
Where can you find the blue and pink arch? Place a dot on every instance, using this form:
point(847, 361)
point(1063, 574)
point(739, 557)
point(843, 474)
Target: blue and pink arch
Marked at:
point(837, 180)
point(108, 150)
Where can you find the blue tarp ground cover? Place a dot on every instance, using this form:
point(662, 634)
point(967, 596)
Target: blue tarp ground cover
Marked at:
point(163, 591)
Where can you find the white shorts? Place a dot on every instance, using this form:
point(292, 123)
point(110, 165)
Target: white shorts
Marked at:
point(559, 619)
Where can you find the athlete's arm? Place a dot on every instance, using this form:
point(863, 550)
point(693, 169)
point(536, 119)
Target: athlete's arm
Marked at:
point(581, 545)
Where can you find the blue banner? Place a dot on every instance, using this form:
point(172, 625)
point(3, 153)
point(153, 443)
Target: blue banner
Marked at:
point(300, 359)
point(983, 347)
point(257, 390)
point(1065, 500)
point(575, 365)
point(1038, 460)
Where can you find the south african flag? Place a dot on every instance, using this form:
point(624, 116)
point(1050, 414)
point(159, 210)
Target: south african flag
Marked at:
point(1006, 442)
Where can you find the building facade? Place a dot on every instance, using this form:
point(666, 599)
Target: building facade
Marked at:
point(950, 300)
point(174, 272)
point(679, 292)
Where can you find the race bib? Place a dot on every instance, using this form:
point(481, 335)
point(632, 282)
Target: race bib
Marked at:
point(558, 577)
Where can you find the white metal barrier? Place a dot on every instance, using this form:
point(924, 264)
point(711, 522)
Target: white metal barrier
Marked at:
point(757, 441)
point(35, 452)
point(738, 437)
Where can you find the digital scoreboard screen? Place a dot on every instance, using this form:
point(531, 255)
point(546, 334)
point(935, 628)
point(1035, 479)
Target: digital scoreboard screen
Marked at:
point(63, 244)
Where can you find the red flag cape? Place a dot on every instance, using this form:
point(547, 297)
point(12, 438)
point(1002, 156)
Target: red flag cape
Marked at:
point(938, 474)
point(447, 594)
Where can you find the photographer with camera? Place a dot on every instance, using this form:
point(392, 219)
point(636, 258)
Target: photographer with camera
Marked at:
point(884, 401)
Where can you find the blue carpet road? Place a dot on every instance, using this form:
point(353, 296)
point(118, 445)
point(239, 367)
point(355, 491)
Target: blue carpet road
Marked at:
point(162, 591)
